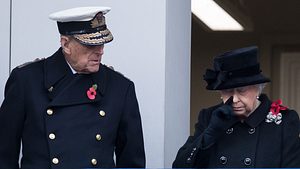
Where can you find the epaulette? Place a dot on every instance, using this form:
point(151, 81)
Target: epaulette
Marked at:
point(112, 68)
point(28, 63)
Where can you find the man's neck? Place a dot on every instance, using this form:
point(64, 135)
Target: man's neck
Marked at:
point(73, 71)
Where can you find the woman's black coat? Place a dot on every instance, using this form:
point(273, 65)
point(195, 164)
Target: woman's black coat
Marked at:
point(251, 143)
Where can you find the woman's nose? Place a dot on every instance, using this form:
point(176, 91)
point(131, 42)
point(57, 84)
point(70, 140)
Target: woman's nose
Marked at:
point(235, 98)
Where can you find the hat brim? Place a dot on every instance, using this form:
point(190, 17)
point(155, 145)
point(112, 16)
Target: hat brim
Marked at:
point(240, 82)
point(97, 38)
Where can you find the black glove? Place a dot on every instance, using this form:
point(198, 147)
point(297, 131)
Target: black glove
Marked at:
point(222, 118)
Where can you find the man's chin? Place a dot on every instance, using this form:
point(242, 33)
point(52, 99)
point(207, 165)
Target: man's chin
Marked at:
point(93, 70)
point(90, 70)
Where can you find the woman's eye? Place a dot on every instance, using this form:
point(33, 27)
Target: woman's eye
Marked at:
point(227, 91)
point(242, 90)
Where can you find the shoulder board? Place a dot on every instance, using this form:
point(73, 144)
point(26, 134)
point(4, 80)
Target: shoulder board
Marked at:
point(112, 68)
point(28, 63)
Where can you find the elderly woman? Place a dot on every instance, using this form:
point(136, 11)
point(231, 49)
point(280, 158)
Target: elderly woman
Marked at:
point(247, 129)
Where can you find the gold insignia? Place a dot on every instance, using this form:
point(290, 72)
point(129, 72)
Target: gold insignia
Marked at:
point(95, 38)
point(98, 21)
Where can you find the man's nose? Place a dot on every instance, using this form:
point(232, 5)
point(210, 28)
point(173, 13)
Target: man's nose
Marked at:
point(99, 49)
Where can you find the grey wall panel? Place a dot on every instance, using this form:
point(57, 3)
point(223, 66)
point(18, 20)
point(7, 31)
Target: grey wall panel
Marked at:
point(177, 101)
point(4, 43)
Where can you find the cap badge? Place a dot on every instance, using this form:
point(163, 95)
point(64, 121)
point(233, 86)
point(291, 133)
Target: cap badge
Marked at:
point(98, 21)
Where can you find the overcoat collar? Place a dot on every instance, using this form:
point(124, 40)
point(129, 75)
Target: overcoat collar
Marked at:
point(74, 90)
point(55, 69)
point(260, 113)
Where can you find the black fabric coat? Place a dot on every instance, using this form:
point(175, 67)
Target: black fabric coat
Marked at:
point(251, 143)
point(45, 98)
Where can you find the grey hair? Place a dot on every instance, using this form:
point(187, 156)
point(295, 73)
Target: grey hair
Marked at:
point(260, 87)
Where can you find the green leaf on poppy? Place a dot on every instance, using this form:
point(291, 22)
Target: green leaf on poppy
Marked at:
point(95, 86)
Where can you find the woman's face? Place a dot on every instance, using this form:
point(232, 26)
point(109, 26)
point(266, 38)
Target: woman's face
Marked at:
point(244, 99)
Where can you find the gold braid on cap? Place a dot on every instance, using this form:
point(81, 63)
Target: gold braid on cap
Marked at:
point(95, 38)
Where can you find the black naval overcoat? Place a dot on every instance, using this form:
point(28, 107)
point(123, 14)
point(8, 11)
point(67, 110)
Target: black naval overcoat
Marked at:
point(46, 108)
point(253, 143)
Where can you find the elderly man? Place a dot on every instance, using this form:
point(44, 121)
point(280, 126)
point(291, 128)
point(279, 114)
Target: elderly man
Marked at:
point(69, 110)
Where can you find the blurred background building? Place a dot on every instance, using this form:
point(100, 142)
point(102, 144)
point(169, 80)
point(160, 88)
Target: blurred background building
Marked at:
point(273, 26)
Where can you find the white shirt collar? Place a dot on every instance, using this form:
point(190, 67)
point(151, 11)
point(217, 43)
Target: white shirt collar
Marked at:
point(73, 71)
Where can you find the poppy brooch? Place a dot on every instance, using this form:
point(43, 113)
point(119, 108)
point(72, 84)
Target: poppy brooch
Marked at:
point(91, 93)
point(274, 114)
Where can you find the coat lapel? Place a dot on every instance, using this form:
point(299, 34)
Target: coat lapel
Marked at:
point(259, 115)
point(64, 88)
point(76, 92)
point(56, 72)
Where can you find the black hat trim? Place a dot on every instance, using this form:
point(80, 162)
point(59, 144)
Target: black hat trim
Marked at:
point(72, 28)
point(216, 78)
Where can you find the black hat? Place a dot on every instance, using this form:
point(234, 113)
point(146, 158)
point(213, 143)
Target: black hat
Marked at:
point(235, 68)
point(85, 24)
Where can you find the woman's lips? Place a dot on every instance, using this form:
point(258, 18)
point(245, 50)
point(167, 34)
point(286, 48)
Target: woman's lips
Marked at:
point(237, 108)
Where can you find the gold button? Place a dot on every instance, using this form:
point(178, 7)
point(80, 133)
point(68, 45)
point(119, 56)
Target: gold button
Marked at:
point(55, 161)
point(49, 111)
point(102, 113)
point(94, 161)
point(52, 136)
point(98, 137)
point(50, 89)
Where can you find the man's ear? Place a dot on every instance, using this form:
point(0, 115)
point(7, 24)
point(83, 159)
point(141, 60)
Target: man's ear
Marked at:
point(65, 44)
